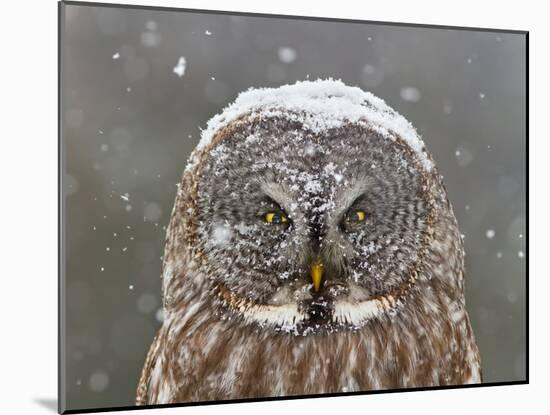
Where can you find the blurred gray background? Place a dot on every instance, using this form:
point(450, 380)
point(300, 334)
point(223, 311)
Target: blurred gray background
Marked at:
point(130, 122)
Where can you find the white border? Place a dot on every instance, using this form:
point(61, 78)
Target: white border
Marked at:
point(29, 202)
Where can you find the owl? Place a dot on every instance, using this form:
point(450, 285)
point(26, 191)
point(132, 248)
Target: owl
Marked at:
point(311, 249)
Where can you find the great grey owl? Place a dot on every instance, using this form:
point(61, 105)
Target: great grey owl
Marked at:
point(311, 249)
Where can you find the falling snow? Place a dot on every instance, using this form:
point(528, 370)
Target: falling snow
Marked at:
point(287, 55)
point(180, 67)
point(99, 381)
point(387, 121)
point(159, 315)
point(410, 94)
point(221, 234)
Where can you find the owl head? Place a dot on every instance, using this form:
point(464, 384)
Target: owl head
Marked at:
point(307, 208)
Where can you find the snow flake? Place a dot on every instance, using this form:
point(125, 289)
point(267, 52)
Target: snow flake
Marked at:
point(151, 25)
point(159, 315)
point(369, 69)
point(490, 234)
point(99, 381)
point(116, 56)
point(180, 67)
point(410, 94)
point(221, 234)
point(286, 54)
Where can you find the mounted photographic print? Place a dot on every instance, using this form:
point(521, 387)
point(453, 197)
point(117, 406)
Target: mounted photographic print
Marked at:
point(256, 207)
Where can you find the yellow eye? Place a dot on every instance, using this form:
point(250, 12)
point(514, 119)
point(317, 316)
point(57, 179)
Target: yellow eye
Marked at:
point(274, 217)
point(356, 216)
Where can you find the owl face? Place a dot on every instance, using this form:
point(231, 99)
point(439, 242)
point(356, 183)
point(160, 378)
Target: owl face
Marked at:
point(311, 231)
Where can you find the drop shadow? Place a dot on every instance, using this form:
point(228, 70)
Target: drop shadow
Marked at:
point(48, 403)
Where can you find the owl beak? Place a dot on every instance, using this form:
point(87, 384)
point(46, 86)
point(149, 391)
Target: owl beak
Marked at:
point(317, 275)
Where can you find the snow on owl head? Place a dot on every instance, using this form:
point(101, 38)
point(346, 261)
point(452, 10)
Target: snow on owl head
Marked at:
point(311, 249)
